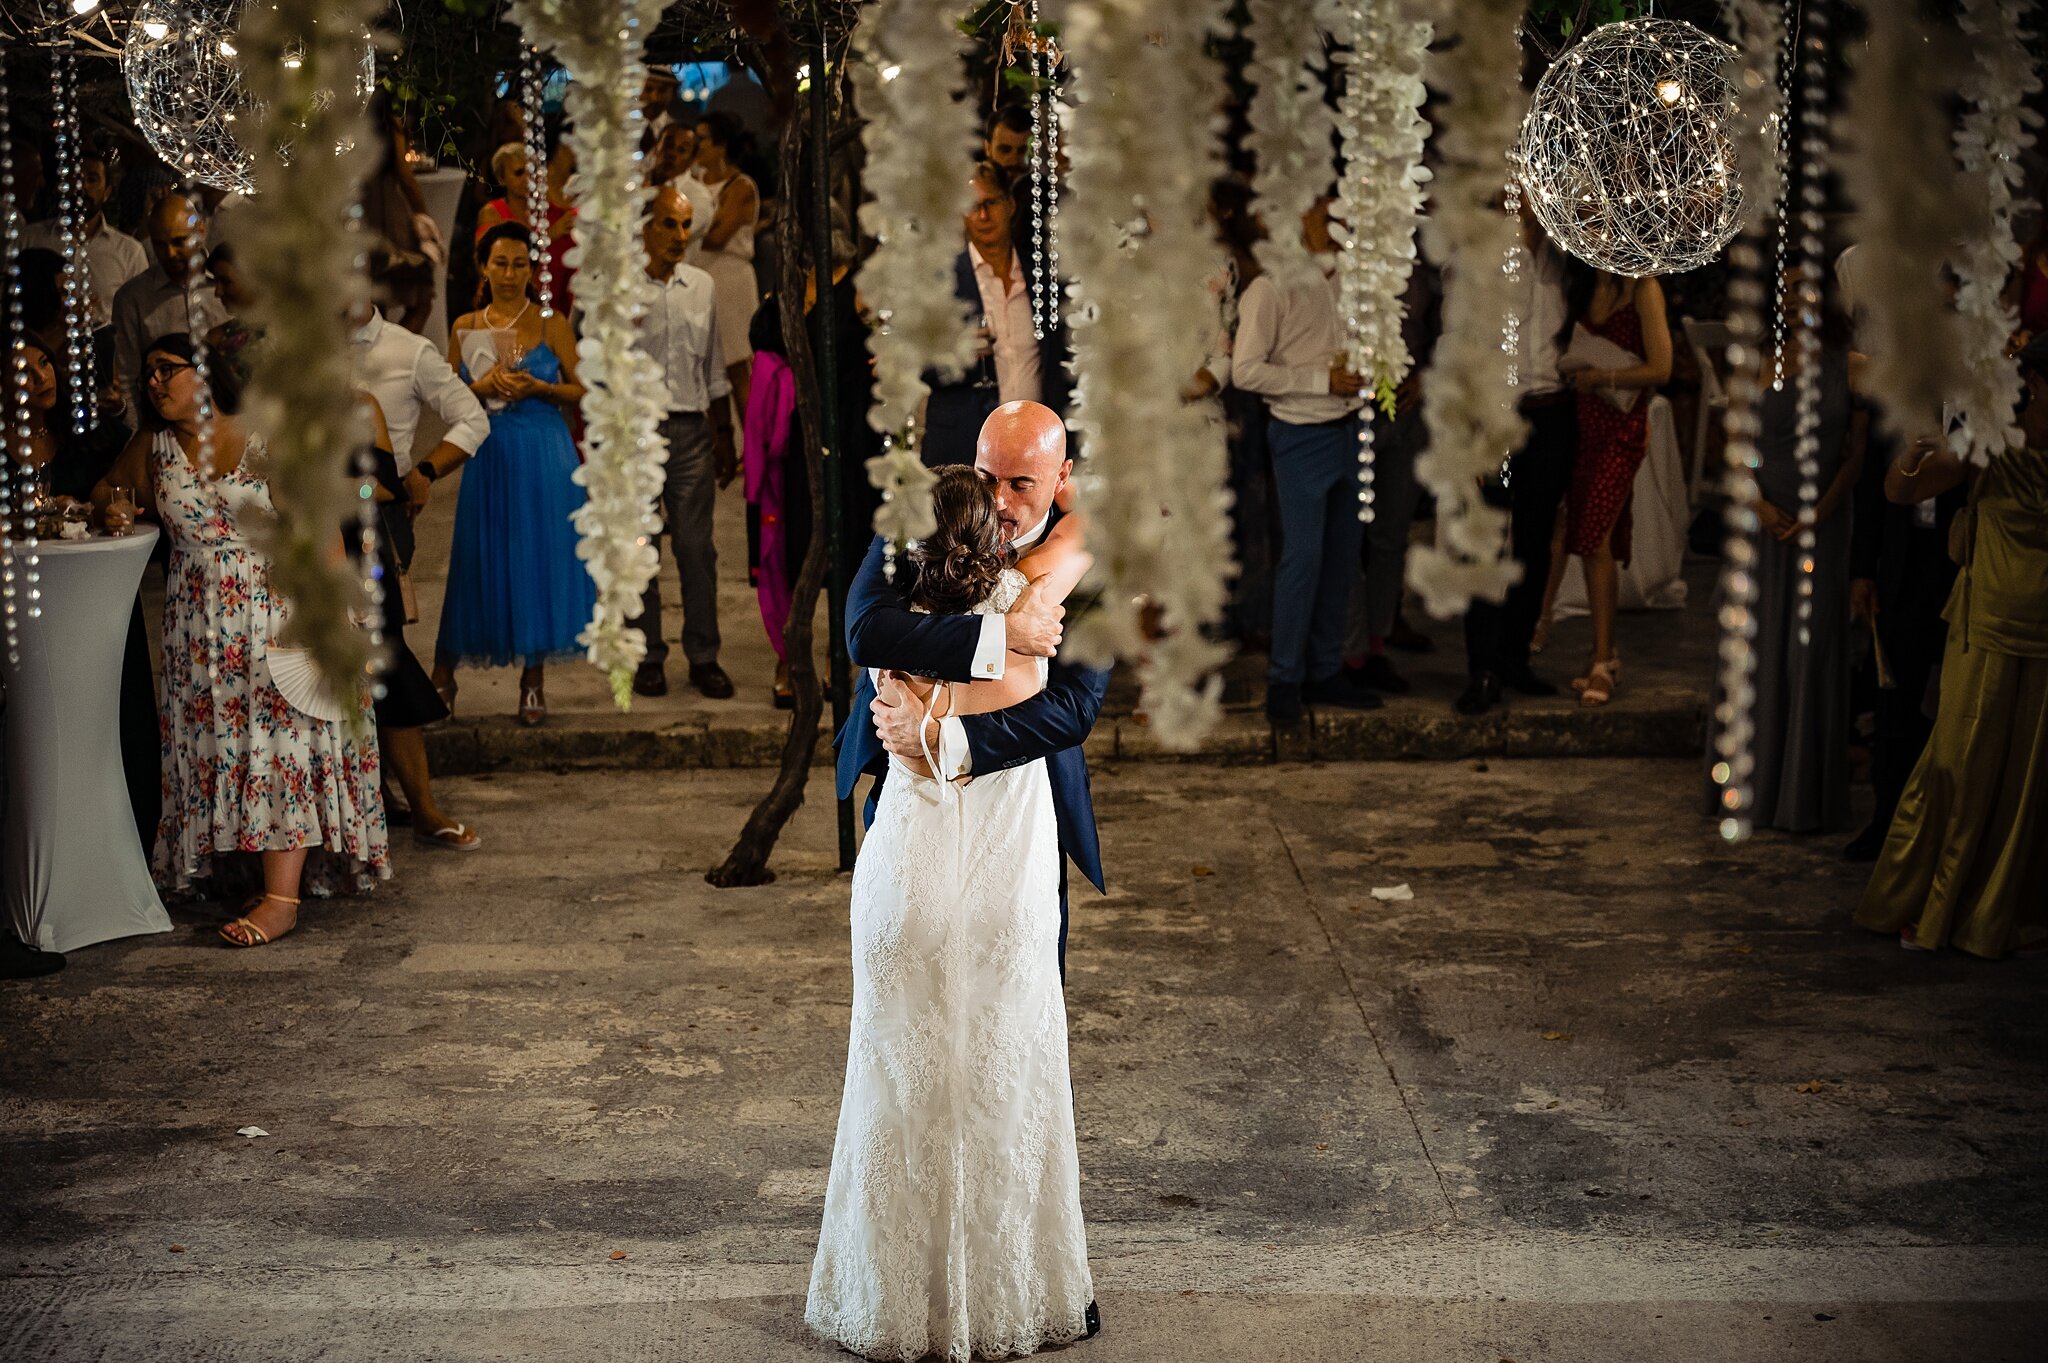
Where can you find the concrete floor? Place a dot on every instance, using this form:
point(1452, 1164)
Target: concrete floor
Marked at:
point(1603, 1090)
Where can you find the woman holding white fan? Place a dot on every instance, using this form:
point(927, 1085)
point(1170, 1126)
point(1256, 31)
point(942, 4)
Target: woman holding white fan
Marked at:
point(1620, 346)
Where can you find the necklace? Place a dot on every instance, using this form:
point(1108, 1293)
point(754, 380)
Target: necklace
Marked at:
point(493, 322)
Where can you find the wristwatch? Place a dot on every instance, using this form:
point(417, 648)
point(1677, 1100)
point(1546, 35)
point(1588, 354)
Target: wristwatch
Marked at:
point(426, 466)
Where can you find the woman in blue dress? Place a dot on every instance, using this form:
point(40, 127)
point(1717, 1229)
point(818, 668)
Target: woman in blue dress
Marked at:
point(516, 590)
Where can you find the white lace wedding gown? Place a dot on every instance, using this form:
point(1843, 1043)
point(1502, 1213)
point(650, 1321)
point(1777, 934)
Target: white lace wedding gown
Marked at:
point(953, 1212)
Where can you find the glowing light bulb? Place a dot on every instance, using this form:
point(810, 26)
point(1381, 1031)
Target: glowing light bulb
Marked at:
point(1670, 91)
point(157, 29)
point(84, 6)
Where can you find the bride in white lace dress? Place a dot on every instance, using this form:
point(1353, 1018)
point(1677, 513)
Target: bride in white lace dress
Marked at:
point(953, 1213)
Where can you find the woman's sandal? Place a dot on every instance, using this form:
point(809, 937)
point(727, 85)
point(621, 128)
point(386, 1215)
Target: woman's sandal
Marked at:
point(447, 694)
point(256, 936)
point(1599, 687)
point(532, 708)
point(1613, 666)
point(457, 837)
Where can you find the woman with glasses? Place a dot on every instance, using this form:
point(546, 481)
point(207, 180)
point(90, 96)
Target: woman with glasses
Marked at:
point(245, 770)
point(516, 590)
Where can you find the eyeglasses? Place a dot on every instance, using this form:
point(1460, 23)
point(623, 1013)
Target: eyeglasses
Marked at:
point(161, 371)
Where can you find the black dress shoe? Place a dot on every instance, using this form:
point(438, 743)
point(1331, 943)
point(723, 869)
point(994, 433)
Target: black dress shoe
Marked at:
point(1094, 1322)
point(650, 680)
point(1866, 846)
point(1527, 683)
point(20, 961)
point(1283, 705)
point(1340, 691)
point(1377, 674)
point(711, 681)
point(1481, 694)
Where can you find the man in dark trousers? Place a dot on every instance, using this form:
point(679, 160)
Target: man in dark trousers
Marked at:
point(1016, 365)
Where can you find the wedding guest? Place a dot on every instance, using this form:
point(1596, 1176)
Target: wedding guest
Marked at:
point(112, 257)
point(406, 700)
point(1288, 339)
point(395, 213)
point(1497, 635)
point(505, 125)
point(72, 465)
point(680, 333)
point(657, 103)
point(1612, 443)
point(778, 476)
point(40, 280)
point(509, 164)
point(726, 241)
point(1007, 140)
point(1015, 364)
point(1801, 666)
point(165, 300)
point(1254, 527)
point(516, 589)
point(405, 376)
point(245, 770)
point(674, 153)
point(1965, 861)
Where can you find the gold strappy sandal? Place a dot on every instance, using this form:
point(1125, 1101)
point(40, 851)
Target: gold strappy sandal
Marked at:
point(256, 936)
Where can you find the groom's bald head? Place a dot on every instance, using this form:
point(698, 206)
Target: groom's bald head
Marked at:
point(1022, 456)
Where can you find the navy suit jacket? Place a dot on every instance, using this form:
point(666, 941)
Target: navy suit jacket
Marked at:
point(955, 411)
point(882, 631)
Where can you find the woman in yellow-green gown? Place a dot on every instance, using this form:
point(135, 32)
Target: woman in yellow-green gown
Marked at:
point(1966, 862)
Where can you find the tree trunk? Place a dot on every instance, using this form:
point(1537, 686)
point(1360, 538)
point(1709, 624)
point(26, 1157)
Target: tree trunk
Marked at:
point(747, 863)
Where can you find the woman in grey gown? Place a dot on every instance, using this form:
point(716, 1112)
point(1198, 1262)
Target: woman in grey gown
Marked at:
point(1801, 782)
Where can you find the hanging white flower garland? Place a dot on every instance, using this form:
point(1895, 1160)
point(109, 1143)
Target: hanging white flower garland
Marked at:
point(1156, 492)
point(1379, 195)
point(918, 139)
point(600, 43)
point(1911, 203)
point(297, 239)
point(1468, 404)
point(1999, 89)
point(1291, 125)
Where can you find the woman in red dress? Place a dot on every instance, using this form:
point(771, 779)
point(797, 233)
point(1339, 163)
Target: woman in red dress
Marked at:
point(1612, 443)
point(508, 164)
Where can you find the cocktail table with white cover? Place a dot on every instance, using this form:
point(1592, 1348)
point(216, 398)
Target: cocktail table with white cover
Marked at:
point(74, 869)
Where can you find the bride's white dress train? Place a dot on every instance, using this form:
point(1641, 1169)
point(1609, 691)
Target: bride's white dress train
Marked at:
point(953, 1211)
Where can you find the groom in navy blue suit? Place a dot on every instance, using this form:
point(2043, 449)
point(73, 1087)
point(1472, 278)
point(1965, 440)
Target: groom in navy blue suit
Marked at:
point(1022, 455)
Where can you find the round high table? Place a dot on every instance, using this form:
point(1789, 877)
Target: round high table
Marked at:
point(71, 865)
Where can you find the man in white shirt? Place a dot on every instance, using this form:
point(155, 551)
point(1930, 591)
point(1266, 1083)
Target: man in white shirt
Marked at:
point(112, 257)
point(165, 299)
point(1497, 635)
point(680, 333)
point(1016, 365)
point(1287, 350)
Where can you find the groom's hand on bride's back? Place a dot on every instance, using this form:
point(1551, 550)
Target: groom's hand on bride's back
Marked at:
point(1032, 626)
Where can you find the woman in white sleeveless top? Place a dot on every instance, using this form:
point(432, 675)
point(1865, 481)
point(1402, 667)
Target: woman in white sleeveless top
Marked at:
point(952, 1218)
point(726, 243)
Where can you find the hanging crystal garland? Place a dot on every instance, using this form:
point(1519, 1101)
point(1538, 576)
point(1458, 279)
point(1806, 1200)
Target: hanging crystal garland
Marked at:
point(532, 93)
point(1813, 145)
point(71, 230)
point(20, 592)
point(1787, 36)
point(1045, 186)
point(1756, 25)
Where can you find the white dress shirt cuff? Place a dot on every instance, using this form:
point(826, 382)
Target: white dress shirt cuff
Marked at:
point(955, 758)
point(993, 650)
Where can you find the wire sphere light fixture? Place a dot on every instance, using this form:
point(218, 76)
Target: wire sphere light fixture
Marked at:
point(1626, 154)
point(185, 81)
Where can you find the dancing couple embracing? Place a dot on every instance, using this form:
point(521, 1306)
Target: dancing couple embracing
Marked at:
point(952, 1219)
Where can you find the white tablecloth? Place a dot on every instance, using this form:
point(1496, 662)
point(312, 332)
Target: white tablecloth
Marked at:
point(442, 189)
point(71, 865)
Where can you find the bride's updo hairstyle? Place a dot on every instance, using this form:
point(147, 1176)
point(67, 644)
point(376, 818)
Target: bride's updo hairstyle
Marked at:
point(959, 563)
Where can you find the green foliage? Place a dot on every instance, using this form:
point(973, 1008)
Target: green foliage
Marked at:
point(1562, 16)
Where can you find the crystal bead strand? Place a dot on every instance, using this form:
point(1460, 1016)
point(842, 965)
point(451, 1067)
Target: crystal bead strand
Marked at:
point(1813, 147)
point(1041, 78)
point(71, 230)
point(1511, 324)
point(533, 91)
point(1787, 38)
point(1053, 307)
point(19, 592)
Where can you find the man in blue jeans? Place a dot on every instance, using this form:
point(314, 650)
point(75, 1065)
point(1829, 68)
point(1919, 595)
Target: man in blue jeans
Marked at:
point(1287, 351)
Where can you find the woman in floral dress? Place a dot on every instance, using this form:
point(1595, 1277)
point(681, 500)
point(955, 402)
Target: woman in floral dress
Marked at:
point(244, 770)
